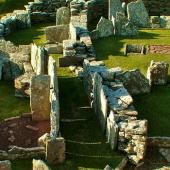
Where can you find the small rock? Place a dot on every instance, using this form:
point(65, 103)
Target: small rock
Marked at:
point(32, 128)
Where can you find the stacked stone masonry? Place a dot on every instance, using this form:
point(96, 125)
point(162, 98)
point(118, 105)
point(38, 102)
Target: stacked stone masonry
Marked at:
point(114, 108)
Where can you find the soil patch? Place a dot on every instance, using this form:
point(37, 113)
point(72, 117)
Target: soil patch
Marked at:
point(21, 131)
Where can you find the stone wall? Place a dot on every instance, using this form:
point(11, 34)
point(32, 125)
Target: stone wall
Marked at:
point(44, 10)
point(18, 20)
point(159, 49)
point(113, 105)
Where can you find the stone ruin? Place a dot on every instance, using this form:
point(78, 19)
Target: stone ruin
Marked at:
point(158, 73)
point(35, 76)
point(110, 91)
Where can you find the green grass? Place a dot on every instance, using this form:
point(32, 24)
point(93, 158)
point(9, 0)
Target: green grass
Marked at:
point(9, 104)
point(35, 34)
point(7, 6)
point(153, 106)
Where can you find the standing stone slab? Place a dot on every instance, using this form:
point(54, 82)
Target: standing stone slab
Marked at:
point(39, 165)
point(114, 7)
point(158, 73)
point(138, 14)
point(105, 27)
point(5, 165)
point(100, 101)
point(55, 150)
point(63, 16)
point(54, 115)
point(52, 71)
point(112, 131)
point(57, 33)
point(40, 97)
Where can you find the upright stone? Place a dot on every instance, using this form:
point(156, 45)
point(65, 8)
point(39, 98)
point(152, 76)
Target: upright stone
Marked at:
point(105, 27)
point(114, 7)
point(158, 73)
point(57, 33)
point(39, 165)
point(138, 14)
point(40, 97)
point(63, 16)
point(55, 150)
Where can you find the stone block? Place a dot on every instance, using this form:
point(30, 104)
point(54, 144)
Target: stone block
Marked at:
point(57, 33)
point(39, 165)
point(55, 151)
point(40, 97)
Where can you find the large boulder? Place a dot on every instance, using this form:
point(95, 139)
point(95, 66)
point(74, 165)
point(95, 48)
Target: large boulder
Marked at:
point(158, 73)
point(105, 27)
point(63, 16)
point(114, 7)
point(134, 81)
point(138, 14)
point(57, 33)
point(124, 27)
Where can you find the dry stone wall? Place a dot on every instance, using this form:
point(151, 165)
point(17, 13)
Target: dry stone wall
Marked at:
point(114, 108)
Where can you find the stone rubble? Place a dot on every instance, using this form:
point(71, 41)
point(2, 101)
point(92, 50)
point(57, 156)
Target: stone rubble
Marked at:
point(157, 73)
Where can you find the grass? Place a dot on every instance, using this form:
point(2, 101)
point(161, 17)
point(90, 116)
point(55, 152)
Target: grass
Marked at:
point(9, 104)
point(35, 34)
point(7, 6)
point(153, 106)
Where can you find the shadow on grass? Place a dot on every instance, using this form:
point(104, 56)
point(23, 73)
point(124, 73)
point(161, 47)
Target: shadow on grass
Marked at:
point(7, 6)
point(113, 45)
point(155, 108)
point(34, 34)
point(9, 104)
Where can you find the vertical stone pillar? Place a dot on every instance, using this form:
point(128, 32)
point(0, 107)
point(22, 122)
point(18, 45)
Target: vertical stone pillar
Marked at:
point(114, 7)
point(40, 97)
point(55, 150)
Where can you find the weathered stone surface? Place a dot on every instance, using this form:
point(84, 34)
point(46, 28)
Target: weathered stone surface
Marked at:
point(158, 73)
point(165, 153)
point(22, 85)
point(5, 165)
point(112, 131)
point(134, 81)
point(57, 33)
point(52, 71)
point(155, 22)
point(55, 150)
point(63, 16)
point(161, 142)
point(54, 48)
point(165, 22)
point(39, 98)
point(100, 101)
point(137, 13)
point(108, 168)
point(105, 27)
point(54, 115)
point(39, 165)
point(118, 97)
point(136, 49)
point(114, 7)
point(123, 26)
point(43, 139)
